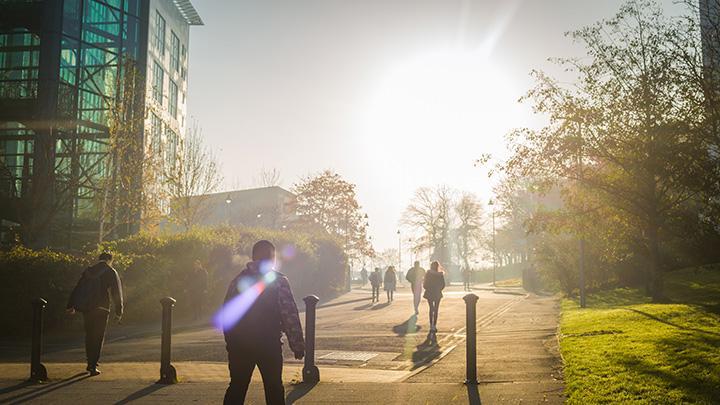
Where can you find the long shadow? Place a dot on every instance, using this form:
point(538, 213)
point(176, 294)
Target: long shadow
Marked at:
point(409, 326)
point(666, 322)
point(361, 307)
point(299, 391)
point(381, 306)
point(473, 394)
point(425, 353)
point(15, 387)
point(141, 393)
point(46, 389)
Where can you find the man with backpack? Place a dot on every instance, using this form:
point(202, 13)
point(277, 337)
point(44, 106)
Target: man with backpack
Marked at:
point(91, 297)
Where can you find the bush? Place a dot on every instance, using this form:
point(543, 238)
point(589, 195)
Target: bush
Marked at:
point(152, 267)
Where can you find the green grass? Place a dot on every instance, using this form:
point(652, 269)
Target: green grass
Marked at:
point(624, 349)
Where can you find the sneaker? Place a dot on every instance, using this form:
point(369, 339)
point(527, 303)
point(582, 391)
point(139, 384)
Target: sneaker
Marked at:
point(93, 370)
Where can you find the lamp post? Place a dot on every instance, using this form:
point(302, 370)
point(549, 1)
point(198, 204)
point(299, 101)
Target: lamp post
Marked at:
point(410, 241)
point(228, 200)
point(492, 204)
point(399, 250)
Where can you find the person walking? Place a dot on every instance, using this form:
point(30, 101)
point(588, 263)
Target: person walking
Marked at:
point(259, 306)
point(466, 275)
point(364, 276)
point(415, 277)
point(375, 281)
point(389, 282)
point(91, 297)
point(434, 283)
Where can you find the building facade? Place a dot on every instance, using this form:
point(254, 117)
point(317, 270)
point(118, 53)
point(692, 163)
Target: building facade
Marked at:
point(710, 31)
point(73, 75)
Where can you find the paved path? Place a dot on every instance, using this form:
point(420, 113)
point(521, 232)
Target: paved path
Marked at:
point(367, 354)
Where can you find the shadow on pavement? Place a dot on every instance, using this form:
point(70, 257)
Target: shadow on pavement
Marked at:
point(473, 394)
point(361, 307)
point(15, 387)
point(409, 326)
point(299, 391)
point(141, 393)
point(425, 353)
point(43, 389)
point(381, 306)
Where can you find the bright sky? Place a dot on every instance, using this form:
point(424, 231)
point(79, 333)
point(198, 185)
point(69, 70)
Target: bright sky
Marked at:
point(391, 94)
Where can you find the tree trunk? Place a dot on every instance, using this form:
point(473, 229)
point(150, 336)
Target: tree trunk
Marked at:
point(655, 282)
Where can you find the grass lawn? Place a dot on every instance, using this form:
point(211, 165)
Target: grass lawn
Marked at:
point(624, 349)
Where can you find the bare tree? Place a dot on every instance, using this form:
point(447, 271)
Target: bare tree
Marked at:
point(195, 174)
point(429, 214)
point(470, 216)
point(268, 178)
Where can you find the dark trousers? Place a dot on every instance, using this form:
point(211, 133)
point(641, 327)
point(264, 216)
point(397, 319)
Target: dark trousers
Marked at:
point(95, 324)
point(375, 293)
point(242, 364)
point(434, 305)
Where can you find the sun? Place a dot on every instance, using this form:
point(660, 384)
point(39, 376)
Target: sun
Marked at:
point(440, 99)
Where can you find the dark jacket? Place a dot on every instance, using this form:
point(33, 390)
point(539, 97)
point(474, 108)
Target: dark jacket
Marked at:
point(434, 284)
point(269, 309)
point(111, 286)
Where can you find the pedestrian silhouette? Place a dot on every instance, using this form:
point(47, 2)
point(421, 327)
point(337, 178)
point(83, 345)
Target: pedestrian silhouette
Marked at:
point(415, 276)
point(265, 307)
point(91, 297)
point(390, 282)
point(434, 284)
point(466, 275)
point(375, 281)
point(364, 276)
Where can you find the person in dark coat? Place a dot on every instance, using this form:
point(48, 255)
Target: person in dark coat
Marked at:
point(375, 281)
point(259, 307)
point(390, 282)
point(434, 284)
point(91, 297)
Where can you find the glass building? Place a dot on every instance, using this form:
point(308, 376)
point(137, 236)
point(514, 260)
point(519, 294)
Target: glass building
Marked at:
point(70, 70)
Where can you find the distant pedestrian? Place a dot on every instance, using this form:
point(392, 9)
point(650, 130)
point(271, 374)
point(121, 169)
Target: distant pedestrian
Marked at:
point(197, 289)
point(261, 302)
point(375, 281)
point(389, 282)
point(91, 297)
point(364, 276)
point(466, 275)
point(415, 277)
point(434, 284)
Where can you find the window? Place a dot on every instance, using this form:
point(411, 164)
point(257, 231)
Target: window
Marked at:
point(174, 52)
point(158, 80)
point(172, 107)
point(159, 33)
point(155, 134)
point(171, 150)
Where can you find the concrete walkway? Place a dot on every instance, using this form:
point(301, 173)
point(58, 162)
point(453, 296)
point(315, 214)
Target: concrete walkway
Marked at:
point(518, 362)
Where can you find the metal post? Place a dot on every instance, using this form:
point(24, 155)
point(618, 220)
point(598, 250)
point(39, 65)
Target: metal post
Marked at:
point(471, 339)
point(168, 375)
point(311, 374)
point(38, 372)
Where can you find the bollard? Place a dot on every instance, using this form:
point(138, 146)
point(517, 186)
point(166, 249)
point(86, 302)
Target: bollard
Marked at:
point(38, 372)
point(311, 374)
point(168, 375)
point(471, 339)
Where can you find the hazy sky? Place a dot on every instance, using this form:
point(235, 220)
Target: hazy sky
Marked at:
point(391, 94)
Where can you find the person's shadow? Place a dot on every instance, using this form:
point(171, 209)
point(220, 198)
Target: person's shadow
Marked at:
point(141, 393)
point(298, 391)
point(42, 389)
point(407, 327)
point(426, 352)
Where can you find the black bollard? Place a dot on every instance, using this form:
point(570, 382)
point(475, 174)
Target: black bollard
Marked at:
point(168, 375)
point(311, 374)
point(471, 339)
point(38, 372)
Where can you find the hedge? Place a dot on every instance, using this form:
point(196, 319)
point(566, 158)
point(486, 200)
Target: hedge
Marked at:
point(155, 266)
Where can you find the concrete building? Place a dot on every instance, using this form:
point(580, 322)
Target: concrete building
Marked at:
point(710, 26)
point(266, 207)
point(65, 66)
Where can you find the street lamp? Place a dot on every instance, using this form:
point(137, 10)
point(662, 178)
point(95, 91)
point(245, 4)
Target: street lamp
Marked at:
point(399, 250)
point(228, 200)
point(492, 204)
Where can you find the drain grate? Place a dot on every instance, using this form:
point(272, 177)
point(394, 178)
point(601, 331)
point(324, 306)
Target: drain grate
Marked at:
point(352, 356)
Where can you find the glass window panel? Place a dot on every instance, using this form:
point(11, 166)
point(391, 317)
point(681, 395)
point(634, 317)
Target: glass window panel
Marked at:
point(174, 52)
point(158, 80)
point(173, 99)
point(159, 33)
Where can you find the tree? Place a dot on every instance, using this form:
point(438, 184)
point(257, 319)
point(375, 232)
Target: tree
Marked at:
point(268, 178)
point(329, 202)
point(195, 174)
point(429, 213)
point(469, 213)
point(624, 137)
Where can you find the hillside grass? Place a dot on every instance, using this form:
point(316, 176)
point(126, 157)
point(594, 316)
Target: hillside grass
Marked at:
point(624, 349)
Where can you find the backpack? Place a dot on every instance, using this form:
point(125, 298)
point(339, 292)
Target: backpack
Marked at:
point(89, 291)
